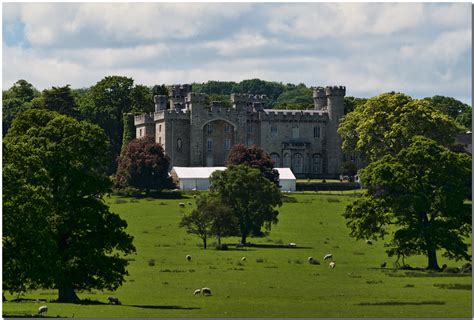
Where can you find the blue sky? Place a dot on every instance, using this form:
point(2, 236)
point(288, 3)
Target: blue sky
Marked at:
point(421, 49)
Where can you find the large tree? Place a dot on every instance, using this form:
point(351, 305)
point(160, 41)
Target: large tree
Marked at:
point(211, 218)
point(143, 165)
point(57, 230)
point(15, 100)
point(250, 195)
point(455, 109)
point(254, 157)
point(60, 99)
point(416, 199)
point(386, 124)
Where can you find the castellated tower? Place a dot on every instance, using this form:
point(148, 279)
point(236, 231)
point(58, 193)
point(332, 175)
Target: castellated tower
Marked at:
point(161, 102)
point(319, 97)
point(335, 106)
point(177, 94)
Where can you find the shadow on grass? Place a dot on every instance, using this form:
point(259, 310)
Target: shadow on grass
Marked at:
point(160, 307)
point(454, 286)
point(402, 303)
point(272, 246)
point(423, 274)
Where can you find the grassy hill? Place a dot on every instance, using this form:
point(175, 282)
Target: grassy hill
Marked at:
point(273, 281)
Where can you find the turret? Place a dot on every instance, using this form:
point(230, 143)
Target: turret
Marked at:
point(161, 102)
point(335, 105)
point(239, 101)
point(319, 97)
point(177, 94)
point(196, 100)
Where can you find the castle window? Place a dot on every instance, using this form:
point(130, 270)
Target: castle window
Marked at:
point(274, 131)
point(140, 134)
point(295, 132)
point(249, 128)
point(209, 144)
point(317, 132)
point(159, 128)
point(227, 128)
point(209, 128)
point(276, 159)
point(227, 144)
point(179, 144)
point(159, 140)
point(316, 163)
point(286, 160)
point(297, 165)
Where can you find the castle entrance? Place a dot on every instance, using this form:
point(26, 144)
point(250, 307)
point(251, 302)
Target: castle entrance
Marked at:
point(218, 138)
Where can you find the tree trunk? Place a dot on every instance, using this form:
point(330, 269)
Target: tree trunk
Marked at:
point(67, 294)
point(432, 260)
point(205, 242)
point(219, 241)
point(244, 239)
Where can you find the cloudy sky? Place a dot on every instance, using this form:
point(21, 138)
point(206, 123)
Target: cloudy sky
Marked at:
point(420, 49)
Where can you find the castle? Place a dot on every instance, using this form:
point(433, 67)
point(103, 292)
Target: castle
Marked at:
point(195, 132)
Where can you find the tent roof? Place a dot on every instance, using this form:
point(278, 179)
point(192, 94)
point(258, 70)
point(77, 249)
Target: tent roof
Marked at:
point(205, 172)
point(196, 172)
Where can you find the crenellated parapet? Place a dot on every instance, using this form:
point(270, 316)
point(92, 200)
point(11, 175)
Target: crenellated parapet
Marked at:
point(336, 91)
point(293, 115)
point(144, 119)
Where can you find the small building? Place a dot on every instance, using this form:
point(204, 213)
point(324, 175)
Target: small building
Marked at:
point(197, 178)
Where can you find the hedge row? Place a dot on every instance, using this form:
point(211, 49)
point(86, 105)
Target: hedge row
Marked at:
point(326, 186)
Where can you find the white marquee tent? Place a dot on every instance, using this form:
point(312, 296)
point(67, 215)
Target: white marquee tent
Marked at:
point(197, 178)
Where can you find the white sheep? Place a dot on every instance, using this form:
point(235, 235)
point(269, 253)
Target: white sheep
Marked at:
point(42, 310)
point(332, 265)
point(113, 300)
point(292, 245)
point(197, 292)
point(243, 258)
point(188, 257)
point(310, 260)
point(194, 196)
point(328, 256)
point(368, 242)
point(206, 292)
point(181, 205)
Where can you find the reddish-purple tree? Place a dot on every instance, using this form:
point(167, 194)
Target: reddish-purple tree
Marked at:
point(143, 165)
point(254, 157)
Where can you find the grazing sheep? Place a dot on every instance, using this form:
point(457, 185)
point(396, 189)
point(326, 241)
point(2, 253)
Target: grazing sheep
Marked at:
point(368, 242)
point(292, 245)
point(332, 265)
point(42, 310)
point(310, 260)
point(194, 196)
point(328, 256)
point(188, 257)
point(190, 204)
point(113, 300)
point(206, 292)
point(383, 264)
point(181, 205)
point(197, 292)
point(243, 258)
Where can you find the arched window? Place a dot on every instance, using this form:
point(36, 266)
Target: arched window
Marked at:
point(317, 163)
point(297, 165)
point(179, 144)
point(276, 159)
point(286, 160)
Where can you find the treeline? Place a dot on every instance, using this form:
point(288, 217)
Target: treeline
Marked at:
point(106, 102)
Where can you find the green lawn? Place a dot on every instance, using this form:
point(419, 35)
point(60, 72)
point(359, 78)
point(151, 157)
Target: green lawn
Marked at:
point(273, 281)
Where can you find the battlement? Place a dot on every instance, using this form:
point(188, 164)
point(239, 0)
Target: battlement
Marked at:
point(319, 92)
point(179, 90)
point(335, 91)
point(143, 119)
point(176, 114)
point(194, 97)
point(293, 115)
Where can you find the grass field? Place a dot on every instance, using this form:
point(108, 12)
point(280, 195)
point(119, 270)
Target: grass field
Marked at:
point(273, 281)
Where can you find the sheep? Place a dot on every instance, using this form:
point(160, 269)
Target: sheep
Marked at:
point(181, 205)
point(383, 264)
point(292, 245)
point(197, 292)
point(113, 300)
point(310, 260)
point(190, 204)
point(42, 310)
point(369, 242)
point(194, 196)
point(206, 292)
point(332, 265)
point(328, 256)
point(243, 258)
point(188, 257)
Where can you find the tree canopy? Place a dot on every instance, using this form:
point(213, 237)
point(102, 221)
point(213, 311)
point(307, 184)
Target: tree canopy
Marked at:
point(254, 157)
point(460, 112)
point(54, 182)
point(385, 124)
point(416, 199)
point(143, 165)
point(250, 195)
